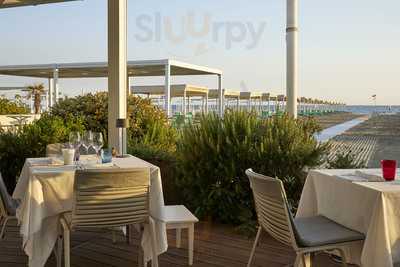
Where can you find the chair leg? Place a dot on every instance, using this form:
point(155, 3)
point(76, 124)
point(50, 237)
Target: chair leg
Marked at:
point(154, 260)
point(3, 228)
point(178, 237)
point(254, 246)
point(141, 261)
point(299, 260)
point(343, 256)
point(307, 260)
point(191, 243)
point(114, 236)
point(59, 251)
point(67, 248)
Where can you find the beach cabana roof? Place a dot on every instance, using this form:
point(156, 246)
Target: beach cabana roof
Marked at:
point(100, 69)
point(19, 3)
point(177, 90)
point(250, 95)
point(228, 94)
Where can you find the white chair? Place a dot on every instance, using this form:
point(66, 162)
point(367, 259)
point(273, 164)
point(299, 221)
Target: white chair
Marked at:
point(178, 218)
point(54, 149)
point(8, 207)
point(305, 235)
point(108, 198)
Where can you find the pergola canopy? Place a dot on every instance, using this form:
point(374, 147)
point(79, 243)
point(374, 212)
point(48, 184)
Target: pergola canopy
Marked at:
point(19, 3)
point(177, 90)
point(100, 69)
point(214, 94)
point(250, 95)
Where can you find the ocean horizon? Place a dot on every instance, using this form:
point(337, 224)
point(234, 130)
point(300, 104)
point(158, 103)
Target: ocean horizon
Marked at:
point(369, 109)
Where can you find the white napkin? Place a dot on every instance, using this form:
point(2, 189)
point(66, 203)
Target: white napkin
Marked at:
point(45, 161)
point(97, 165)
point(370, 176)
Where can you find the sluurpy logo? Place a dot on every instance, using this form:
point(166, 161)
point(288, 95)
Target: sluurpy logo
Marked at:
point(203, 30)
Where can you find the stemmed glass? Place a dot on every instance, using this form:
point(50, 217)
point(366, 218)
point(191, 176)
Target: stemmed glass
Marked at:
point(87, 140)
point(75, 142)
point(97, 142)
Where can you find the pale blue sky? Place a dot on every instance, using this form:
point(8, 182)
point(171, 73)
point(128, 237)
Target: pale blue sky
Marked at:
point(348, 49)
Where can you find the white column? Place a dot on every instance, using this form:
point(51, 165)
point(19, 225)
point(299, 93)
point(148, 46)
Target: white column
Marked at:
point(184, 103)
point(51, 93)
point(221, 96)
point(128, 86)
point(206, 104)
point(117, 70)
point(291, 56)
point(168, 90)
point(55, 86)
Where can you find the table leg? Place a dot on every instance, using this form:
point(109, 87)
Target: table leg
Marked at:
point(191, 243)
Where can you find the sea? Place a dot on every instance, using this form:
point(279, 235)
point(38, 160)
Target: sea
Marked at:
point(372, 109)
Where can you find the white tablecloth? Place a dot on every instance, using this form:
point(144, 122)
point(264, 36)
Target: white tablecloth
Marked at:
point(372, 208)
point(46, 192)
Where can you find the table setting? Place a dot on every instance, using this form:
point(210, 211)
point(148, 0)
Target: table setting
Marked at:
point(364, 200)
point(45, 190)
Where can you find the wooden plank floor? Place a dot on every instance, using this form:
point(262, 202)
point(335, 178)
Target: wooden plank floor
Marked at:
point(215, 245)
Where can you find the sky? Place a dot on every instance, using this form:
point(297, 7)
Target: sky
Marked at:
point(348, 50)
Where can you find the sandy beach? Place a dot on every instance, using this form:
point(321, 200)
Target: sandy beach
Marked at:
point(333, 119)
point(377, 138)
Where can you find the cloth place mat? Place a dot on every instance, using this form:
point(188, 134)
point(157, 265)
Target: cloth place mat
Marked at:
point(370, 177)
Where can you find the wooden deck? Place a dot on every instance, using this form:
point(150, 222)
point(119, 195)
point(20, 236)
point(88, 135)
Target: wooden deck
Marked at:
point(215, 245)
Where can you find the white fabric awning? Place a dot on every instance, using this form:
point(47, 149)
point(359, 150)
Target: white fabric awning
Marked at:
point(19, 3)
point(228, 94)
point(100, 69)
point(250, 95)
point(177, 90)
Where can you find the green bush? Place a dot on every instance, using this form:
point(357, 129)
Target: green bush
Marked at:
point(8, 107)
point(345, 160)
point(167, 163)
point(214, 154)
point(147, 123)
point(30, 141)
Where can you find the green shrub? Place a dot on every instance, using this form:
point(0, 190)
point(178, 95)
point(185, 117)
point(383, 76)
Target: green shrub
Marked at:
point(214, 154)
point(345, 160)
point(9, 107)
point(147, 123)
point(30, 141)
point(167, 163)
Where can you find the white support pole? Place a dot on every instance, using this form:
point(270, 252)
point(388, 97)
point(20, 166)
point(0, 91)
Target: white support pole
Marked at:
point(168, 90)
point(128, 85)
point(291, 56)
point(55, 86)
point(117, 71)
point(221, 96)
point(184, 103)
point(50, 93)
point(207, 103)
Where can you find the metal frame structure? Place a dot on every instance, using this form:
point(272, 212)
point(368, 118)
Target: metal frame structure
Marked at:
point(185, 91)
point(117, 59)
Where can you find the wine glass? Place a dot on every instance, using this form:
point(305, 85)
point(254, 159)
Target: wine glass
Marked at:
point(97, 142)
point(87, 140)
point(75, 142)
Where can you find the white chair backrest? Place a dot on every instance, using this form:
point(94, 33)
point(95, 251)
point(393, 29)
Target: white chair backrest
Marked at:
point(3, 196)
point(272, 207)
point(110, 197)
point(54, 149)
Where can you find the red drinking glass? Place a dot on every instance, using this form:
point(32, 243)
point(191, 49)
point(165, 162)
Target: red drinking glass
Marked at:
point(389, 169)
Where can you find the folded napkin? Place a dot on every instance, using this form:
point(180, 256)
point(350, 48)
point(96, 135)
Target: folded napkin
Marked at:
point(45, 161)
point(97, 165)
point(371, 177)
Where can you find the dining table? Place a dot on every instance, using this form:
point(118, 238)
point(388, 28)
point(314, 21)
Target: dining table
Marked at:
point(360, 200)
point(45, 191)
